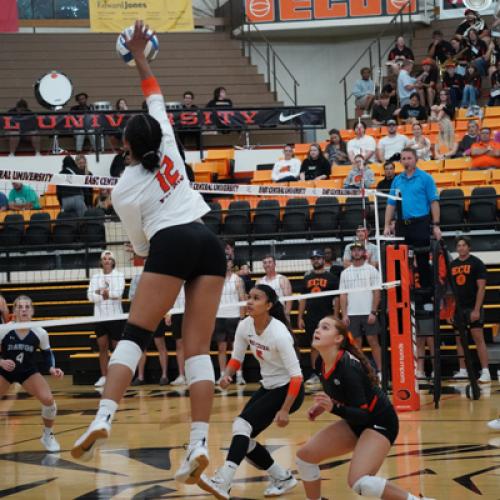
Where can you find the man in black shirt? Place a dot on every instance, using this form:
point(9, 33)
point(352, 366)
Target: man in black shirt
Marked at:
point(383, 111)
point(413, 110)
point(472, 136)
point(311, 311)
point(389, 174)
point(439, 48)
point(454, 83)
point(469, 276)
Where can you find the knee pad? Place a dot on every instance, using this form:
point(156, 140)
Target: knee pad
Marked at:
point(138, 335)
point(251, 445)
point(242, 428)
point(307, 471)
point(370, 486)
point(49, 412)
point(126, 353)
point(198, 369)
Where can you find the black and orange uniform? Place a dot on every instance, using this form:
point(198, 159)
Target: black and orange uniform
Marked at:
point(361, 404)
point(465, 274)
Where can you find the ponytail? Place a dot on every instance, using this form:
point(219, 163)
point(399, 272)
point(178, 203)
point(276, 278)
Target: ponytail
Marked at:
point(144, 135)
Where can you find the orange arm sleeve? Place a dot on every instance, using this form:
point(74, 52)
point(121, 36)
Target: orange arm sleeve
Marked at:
point(150, 86)
point(234, 364)
point(294, 386)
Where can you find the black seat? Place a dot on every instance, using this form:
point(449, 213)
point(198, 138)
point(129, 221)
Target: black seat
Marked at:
point(483, 208)
point(352, 216)
point(213, 219)
point(65, 228)
point(237, 220)
point(92, 226)
point(452, 206)
point(326, 214)
point(296, 217)
point(13, 230)
point(267, 217)
point(38, 231)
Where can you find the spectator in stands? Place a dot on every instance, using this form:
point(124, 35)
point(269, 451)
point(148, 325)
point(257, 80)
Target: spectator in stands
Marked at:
point(363, 144)
point(494, 99)
point(419, 143)
point(287, 169)
point(106, 291)
point(360, 309)
point(27, 128)
point(439, 48)
point(227, 318)
point(82, 106)
point(336, 151)
point(364, 92)
point(453, 82)
point(120, 161)
point(407, 85)
point(220, 99)
point(278, 282)
point(103, 201)
point(429, 77)
point(71, 199)
point(470, 137)
point(389, 173)
point(329, 256)
point(313, 310)
point(193, 136)
point(315, 166)
point(446, 145)
point(443, 107)
point(360, 175)
point(472, 89)
point(390, 90)
point(470, 275)
point(399, 54)
point(4, 202)
point(4, 311)
point(485, 153)
point(494, 55)
point(478, 53)
point(188, 101)
point(413, 111)
point(22, 197)
point(244, 273)
point(472, 21)
point(383, 111)
point(116, 138)
point(362, 235)
point(390, 146)
point(88, 193)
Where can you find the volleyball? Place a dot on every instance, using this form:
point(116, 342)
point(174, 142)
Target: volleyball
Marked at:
point(151, 50)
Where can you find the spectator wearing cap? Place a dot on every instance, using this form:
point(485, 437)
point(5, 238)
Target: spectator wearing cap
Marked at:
point(439, 48)
point(389, 173)
point(383, 110)
point(360, 175)
point(407, 85)
point(23, 197)
point(390, 146)
point(105, 291)
point(413, 111)
point(287, 169)
point(364, 92)
point(82, 107)
point(429, 77)
point(363, 144)
point(443, 107)
point(312, 310)
point(453, 82)
point(485, 153)
point(472, 21)
point(362, 235)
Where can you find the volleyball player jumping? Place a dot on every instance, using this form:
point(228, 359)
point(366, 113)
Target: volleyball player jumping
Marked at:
point(369, 424)
point(282, 392)
point(162, 217)
point(18, 364)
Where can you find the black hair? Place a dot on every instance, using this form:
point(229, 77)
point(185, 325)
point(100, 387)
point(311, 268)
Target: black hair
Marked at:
point(414, 94)
point(144, 135)
point(277, 311)
point(22, 104)
point(217, 92)
point(69, 162)
point(118, 102)
point(389, 162)
point(410, 150)
point(360, 122)
point(465, 239)
point(188, 92)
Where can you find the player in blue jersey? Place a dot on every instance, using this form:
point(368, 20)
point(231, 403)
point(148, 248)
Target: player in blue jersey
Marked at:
point(18, 363)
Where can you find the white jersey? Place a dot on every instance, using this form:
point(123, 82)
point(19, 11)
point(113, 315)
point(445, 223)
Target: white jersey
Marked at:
point(275, 283)
point(273, 349)
point(115, 283)
point(365, 276)
point(230, 295)
point(286, 168)
point(147, 202)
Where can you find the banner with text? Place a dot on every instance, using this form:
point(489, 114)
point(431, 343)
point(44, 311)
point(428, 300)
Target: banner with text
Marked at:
point(274, 11)
point(112, 16)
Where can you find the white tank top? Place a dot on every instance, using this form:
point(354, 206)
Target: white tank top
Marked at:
point(274, 283)
point(230, 295)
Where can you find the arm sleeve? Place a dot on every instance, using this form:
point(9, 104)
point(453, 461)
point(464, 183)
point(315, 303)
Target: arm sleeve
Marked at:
point(135, 233)
point(288, 356)
point(91, 295)
point(356, 89)
point(240, 342)
point(117, 286)
point(48, 356)
point(482, 273)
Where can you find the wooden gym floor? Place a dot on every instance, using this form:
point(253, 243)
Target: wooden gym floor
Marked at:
point(447, 453)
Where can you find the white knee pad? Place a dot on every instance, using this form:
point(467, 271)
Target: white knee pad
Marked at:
point(307, 471)
point(370, 486)
point(126, 353)
point(199, 368)
point(251, 445)
point(49, 412)
point(242, 428)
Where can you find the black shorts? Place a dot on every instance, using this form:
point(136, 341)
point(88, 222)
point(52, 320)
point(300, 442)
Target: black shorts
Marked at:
point(466, 314)
point(160, 330)
point(186, 252)
point(225, 328)
point(358, 326)
point(113, 329)
point(386, 423)
point(262, 407)
point(18, 376)
point(177, 326)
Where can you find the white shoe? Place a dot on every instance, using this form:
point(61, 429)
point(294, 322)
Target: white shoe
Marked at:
point(100, 382)
point(420, 375)
point(215, 485)
point(462, 373)
point(432, 374)
point(278, 487)
point(485, 377)
point(180, 380)
point(313, 380)
point(50, 442)
point(84, 447)
point(239, 379)
point(494, 425)
point(193, 465)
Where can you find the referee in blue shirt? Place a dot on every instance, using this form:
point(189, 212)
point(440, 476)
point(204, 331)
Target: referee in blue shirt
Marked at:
point(418, 213)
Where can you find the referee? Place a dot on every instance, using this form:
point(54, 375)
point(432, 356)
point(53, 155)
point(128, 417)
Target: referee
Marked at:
point(419, 213)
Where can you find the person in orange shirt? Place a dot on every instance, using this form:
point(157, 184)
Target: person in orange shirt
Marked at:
point(485, 153)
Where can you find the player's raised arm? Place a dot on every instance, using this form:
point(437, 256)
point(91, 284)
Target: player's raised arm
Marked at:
point(137, 45)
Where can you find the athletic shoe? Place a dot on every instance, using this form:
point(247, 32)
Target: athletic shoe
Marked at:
point(313, 380)
point(194, 463)
point(137, 381)
point(278, 487)
point(100, 382)
point(432, 374)
point(180, 380)
point(462, 373)
point(485, 377)
point(50, 442)
point(420, 375)
point(163, 381)
point(84, 447)
point(494, 425)
point(215, 485)
point(239, 379)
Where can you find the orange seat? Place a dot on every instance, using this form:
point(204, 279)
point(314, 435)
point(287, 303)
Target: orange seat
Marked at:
point(434, 127)
point(491, 111)
point(431, 166)
point(446, 179)
point(203, 176)
point(461, 115)
point(301, 149)
point(51, 189)
point(495, 176)
point(300, 184)
point(373, 131)
point(49, 201)
point(347, 134)
point(378, 168)
point(262, 177)
point(398, 167)
point(461, 125)
point(451, 164)
point(475, 177)
point(493, 123)
point(220, 154)
point(340, 171)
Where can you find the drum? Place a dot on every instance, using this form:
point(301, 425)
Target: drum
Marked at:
point(53, 90)
point(173, 105)
point(102, 106)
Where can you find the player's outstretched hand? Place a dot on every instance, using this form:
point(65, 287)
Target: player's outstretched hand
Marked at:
point(56, 372)
point(314, 412)
point(282, 418)
point(225, 382)
point(324, 401)
point(7, 364)
point(139, 39)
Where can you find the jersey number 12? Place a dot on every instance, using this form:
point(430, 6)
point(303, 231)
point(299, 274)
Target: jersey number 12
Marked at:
point(167, 176)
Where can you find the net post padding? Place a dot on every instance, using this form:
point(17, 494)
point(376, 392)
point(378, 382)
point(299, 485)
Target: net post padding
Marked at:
point(402, 332)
